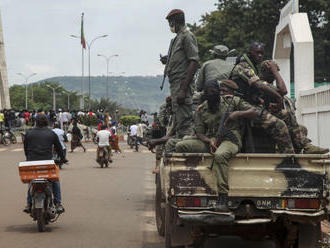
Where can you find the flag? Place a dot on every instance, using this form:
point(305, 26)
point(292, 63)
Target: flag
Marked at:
point(82, 35)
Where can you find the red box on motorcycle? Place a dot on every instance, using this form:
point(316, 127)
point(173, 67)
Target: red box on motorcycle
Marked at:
point(43, 169)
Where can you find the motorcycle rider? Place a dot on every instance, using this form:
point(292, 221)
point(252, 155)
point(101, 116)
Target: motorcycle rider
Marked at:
point(103, 140)
point(61, 136)
point(38, 145)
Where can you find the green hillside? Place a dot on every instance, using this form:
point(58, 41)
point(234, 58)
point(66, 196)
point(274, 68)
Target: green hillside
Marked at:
point(132, 92)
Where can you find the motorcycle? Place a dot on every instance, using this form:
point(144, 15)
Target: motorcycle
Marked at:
point(43, 208)
point(103, 157)
point(4, 138)
point(11, 136)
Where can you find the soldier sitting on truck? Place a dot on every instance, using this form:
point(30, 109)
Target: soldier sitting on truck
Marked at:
point(269, 72)
point(219, 129)
point(217, 68)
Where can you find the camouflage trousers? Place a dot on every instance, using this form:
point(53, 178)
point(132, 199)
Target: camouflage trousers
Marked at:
point(277, 129)
point(299, 139)
point(222, 155)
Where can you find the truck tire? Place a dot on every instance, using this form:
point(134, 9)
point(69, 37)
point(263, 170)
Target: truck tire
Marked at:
point(159, 211)
point(169, 226)
point(309, 236)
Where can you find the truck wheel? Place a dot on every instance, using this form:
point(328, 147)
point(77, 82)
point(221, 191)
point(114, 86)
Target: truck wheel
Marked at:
point(159, 211)
point(309, 236)
point(169, 225)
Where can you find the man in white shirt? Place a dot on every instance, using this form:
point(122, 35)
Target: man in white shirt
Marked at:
point(61, 136)
point(133, 129)
point(139, 136)
point(103, 139)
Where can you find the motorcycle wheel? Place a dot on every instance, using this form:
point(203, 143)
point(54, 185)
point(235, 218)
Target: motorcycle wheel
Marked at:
point(102, 164)
point(5, 141)
point(13, 139)
point(41, 220)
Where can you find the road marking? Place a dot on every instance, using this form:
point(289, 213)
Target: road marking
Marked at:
point(3, 149)
point(17, 150)
point(91, 149)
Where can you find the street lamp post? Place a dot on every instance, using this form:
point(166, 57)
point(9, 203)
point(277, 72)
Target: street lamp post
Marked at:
point(54, 95)
point(26, 85)
point(68, 94)
point(107, 59)
point(89, 45)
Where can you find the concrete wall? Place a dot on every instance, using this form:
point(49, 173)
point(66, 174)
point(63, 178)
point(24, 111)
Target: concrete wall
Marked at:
point(315, 114)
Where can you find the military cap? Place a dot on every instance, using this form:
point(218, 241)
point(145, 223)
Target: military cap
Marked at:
point(226, 83)
point(219, 50)
point(174, 12)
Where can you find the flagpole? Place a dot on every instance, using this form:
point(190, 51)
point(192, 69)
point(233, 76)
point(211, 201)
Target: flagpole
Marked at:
point(82, 102)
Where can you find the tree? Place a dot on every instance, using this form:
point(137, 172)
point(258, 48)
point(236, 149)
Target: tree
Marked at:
point(237, 23)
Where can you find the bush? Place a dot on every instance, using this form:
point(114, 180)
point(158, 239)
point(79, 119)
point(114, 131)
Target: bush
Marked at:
point(128, 120)
point(88, 120)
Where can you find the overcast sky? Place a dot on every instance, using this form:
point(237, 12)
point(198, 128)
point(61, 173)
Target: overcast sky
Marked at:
point(37, 35)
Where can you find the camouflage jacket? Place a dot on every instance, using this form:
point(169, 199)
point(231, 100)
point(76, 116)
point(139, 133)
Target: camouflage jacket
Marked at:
point(245, 74)
point(164, 115)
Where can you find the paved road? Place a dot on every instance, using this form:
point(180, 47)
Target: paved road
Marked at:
point(111, 207)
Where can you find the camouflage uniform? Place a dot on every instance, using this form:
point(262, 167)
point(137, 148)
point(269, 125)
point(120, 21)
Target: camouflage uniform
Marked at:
point(182, 50)
point(164, 117)
point(245, 74)
point(299, 139)
point(207, 123)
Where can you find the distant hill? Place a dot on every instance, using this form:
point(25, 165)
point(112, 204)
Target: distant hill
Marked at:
point(133, 92)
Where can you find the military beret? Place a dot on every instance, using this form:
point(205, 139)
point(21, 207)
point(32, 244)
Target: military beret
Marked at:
point(228, 84)
point(174, 12)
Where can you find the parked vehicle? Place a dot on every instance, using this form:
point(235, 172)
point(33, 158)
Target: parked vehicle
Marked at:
point(4, 138)
point(11, 136)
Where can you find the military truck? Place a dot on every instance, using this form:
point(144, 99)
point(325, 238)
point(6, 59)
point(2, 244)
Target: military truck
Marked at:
point(282, 197)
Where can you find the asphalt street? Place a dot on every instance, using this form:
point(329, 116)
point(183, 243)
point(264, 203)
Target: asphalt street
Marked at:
point(110, 207)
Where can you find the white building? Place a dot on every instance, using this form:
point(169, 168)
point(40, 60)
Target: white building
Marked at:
point(313, 104)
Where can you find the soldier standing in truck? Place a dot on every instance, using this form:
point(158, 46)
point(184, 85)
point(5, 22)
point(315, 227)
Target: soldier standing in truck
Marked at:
point(181, 65)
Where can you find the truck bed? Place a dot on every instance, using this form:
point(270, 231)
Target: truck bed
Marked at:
point(250, 175)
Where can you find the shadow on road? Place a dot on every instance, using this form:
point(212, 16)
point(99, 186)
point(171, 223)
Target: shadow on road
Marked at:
point(27, 228)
